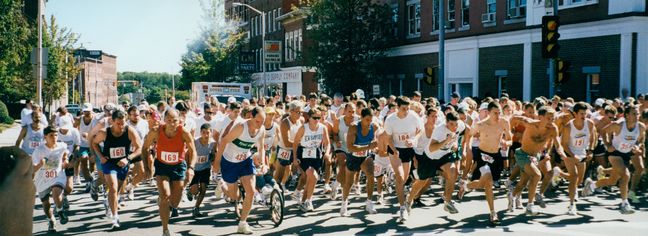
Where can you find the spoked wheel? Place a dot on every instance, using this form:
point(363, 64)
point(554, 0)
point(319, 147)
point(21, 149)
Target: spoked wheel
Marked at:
point(238, 204)
point(276, 207)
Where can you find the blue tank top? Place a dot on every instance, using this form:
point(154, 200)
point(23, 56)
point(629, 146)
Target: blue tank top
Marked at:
point(364, 140)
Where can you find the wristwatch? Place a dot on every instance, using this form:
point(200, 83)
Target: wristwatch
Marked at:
point(191, 167)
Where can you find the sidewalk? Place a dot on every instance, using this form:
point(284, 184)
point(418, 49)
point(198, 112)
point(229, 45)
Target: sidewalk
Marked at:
point(8, 137)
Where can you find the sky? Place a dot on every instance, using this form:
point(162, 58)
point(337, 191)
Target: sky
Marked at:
point(145, 35)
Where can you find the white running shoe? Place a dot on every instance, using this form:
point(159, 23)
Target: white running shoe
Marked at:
point(531, 210)
point(370, 207)
point(244, 228)
point(572, 211)
point(343, 209)
point(327, 188)
point(626, 209)
point(334, 189)
point(555, 179)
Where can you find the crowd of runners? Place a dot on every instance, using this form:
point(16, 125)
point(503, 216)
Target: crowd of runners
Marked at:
point(343, 145)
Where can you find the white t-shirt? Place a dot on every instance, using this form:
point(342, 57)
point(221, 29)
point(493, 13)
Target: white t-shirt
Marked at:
point(60, 118)
point(403, 129)
point(141, 128)
point(440, 134)
point(73, 137)
point(51, 173)
point(25, 116)
point(201, 121)
point(222, 124)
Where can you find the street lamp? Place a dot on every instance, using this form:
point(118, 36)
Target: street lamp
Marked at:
point(263, 32)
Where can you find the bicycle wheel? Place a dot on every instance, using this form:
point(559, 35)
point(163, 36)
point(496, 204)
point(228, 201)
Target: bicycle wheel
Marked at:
point(276, 207)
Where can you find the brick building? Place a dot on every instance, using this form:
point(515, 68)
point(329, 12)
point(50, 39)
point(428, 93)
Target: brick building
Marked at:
point(492, 46)
point(97, 82)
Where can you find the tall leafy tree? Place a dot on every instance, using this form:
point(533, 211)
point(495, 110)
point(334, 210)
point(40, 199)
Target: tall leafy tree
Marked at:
point(350, 39)
point(17, 37)
point(213, 56)
point(61, 68)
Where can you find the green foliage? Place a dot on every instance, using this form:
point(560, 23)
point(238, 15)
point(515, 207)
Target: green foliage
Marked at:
point(155, 86)
point(61, 69)
point(351, 38)
point(213, 56)
point(4, 114)
point(17, 37)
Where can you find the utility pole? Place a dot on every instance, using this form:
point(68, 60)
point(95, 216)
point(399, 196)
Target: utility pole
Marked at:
point(172, 85)
point(39, 55)
point(552, 61)
point(442, 21)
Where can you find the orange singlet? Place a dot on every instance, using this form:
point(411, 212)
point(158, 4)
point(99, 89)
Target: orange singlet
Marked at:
point(170, 151)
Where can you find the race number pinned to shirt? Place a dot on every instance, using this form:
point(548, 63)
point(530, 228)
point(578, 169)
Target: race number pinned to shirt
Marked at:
point(401, 139)
point(117, 152)
point(242, 156)
point(360, 153)
point(487, 158)
point(579, 142)
point(309, 153)
point(266, 146)
point(202, 159)
point(34, 144)
point(170, 157)
point(626, 147)
point(50, 174)
point(283, 154)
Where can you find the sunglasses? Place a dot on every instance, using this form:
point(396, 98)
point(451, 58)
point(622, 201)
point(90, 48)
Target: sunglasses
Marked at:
point(316, 117)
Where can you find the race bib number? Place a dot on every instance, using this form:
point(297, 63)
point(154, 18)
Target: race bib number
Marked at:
point(626, 147)
point(241, 156)
point(117, 152)
point(202, 159)
point(34, 144)
point(377, 170)
point(266, 146)
point(580, 142)
point(309, 153)
point(51, 174)
point(170, 157)
point(402, 138)
point(487, 158)
point(360, 154)
point(283, 154)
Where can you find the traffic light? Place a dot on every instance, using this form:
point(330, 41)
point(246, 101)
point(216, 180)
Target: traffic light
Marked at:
point(429, 75)
point(562, 71)
point(550, 36)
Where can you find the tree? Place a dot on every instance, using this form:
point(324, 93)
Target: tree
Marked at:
point(62, 67)
point(351, 37)
point(213, 56)
point(17, 37)
point(155, 86)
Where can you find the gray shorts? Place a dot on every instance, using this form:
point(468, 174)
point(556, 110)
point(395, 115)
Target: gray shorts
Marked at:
point(47, 192)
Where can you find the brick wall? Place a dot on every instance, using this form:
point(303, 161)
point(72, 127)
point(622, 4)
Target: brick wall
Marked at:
point(408, 66)
point(601, 51)
point(508, 58)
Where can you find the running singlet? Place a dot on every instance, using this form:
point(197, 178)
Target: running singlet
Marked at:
point(32, 140)
point(116, 148)
point(312, 140)
point(342, 132)
point(239, 149)
point(363, 140)
point(626, 140)
point(170, 151)
point(578, 140)
point(268, 139)
point(423, 142)
point(83, 128)
point(284, 152)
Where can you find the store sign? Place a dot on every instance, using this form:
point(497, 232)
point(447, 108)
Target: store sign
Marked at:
point(277, 77)
point(246, 62)
point(272, 51)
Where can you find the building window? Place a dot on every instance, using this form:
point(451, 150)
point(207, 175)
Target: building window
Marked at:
point(414, 19)
point(435, 15)
point(286, 43)
point(465, 13)
point(279, 23)
point(394, 9)
point(252, 27)
point(491, 11)
point(516, 9)
point(451, 14)
point(575, 2)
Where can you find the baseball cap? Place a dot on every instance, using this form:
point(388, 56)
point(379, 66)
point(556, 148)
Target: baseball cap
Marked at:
point(599, 102)
point(110, 107)
point(87, 107)
point(142, 108)
point(231, 99)
point(455, 95)
point(483, 106)
point(360, 93)
point(463, 105)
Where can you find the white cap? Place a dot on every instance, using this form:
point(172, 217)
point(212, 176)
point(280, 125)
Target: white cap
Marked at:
point(360, 93)
point(65, 123)
point(231, 99)
point(599, 102)
point(463, 105)
point(483, 106)
point(87, 107)
point(142, 107)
